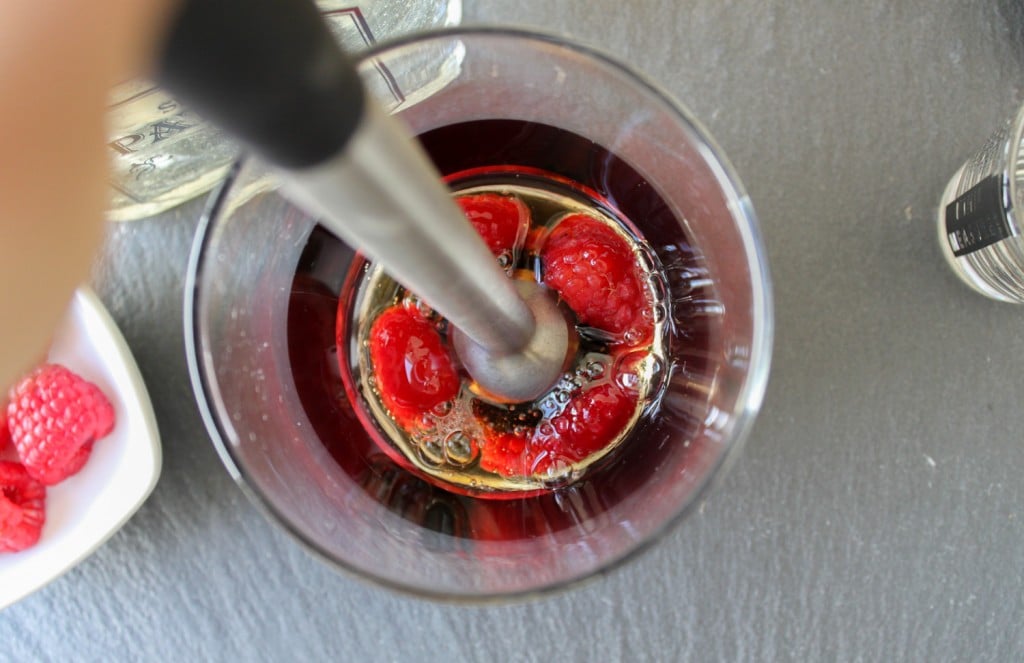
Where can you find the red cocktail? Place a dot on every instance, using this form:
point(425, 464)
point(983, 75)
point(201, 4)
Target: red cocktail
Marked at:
point(418, 479)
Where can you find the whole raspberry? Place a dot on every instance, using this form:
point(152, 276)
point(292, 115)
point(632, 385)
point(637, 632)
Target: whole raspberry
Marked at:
point(22, 508)
point(588, 422)
point(55, 416)
point(412, 366)
point(595, 272)
point(502, 221)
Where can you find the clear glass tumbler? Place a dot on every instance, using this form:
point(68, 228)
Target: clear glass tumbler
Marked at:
point(266, 285)
point(161, 154)
point(979, 232)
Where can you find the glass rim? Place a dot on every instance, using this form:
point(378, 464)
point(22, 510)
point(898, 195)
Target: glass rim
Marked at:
point(748, 399)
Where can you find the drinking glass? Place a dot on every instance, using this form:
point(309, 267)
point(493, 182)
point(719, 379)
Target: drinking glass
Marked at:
point(979, 232)
point(265, 285)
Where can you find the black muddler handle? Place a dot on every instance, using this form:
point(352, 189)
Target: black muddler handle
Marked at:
point(267, 71)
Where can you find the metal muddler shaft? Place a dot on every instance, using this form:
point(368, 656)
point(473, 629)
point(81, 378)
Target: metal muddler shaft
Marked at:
point(409, 224)
point(269, 72)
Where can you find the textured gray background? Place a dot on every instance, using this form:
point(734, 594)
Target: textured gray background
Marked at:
point(875, 513)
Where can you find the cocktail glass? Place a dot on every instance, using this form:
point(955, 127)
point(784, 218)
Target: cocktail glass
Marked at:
point(265, 282)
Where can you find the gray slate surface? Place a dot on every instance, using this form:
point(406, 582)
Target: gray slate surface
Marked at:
point(875, 513)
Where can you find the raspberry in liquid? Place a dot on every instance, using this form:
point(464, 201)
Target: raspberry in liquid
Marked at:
point(525, 152)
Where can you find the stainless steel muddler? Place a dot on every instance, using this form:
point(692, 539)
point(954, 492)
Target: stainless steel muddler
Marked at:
point(270, 73)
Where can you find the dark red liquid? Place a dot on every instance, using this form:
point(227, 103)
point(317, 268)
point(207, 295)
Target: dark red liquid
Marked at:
point(663, 433)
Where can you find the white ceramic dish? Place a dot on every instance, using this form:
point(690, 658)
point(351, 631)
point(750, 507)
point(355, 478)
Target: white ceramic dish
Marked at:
point(84, 510)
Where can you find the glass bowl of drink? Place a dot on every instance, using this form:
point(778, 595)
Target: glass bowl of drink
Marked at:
point(474, 498)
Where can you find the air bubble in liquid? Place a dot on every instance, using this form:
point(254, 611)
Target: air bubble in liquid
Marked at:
point(657, 286)
point(412, 302)
point(656, 369)
point(549, 406)
point(431, 451)
point(427, 422)
point(628, 381)
point(595, 369)
point(647, 259)
point(628, 370)
point(459, 448)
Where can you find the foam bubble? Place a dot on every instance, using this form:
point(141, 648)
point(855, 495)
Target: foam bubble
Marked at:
point(459, 448)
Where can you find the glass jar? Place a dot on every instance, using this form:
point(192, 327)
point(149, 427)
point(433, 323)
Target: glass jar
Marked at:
point(162, 154)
